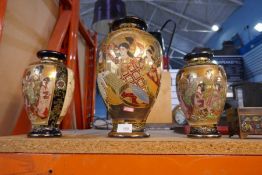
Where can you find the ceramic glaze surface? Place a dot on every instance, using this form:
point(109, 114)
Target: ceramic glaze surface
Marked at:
point(201, 90)
point(129, 72)
point(48, 88)
point(69, 94)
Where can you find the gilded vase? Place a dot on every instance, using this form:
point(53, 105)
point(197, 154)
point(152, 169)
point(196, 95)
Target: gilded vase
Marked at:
point(129, 72)
point(201, 90)
point(48, 88)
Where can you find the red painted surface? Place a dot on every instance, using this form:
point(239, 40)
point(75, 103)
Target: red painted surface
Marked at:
point(90, 40)
point(72, 63)
point(66, 3)
point(59, 31)
point(23, 124)
point(80, 164)
point(93, 76)
point(90, 75)
point(3, 4)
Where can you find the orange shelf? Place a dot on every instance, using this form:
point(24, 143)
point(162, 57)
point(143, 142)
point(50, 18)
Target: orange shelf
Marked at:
point(80, 164)
point(92, 152)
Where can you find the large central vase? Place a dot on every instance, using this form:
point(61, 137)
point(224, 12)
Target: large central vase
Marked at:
point(129, 72)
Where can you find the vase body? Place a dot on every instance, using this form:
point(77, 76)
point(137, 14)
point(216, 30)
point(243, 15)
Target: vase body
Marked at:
point(129, 72)
point(48, 88)
point(201, 90)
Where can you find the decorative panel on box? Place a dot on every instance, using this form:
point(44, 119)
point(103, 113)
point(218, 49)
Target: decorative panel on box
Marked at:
point(247, 121)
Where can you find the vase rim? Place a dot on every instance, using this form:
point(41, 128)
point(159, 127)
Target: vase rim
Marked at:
point(199, 52)
point(51, 53)
point(139, 23)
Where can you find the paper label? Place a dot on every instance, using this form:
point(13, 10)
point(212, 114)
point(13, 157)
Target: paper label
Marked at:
point(128, 109)
point(124, 128)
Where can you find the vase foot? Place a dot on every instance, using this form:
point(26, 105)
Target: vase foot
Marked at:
point(44, 131)
point(204, 132)
point(141, 134)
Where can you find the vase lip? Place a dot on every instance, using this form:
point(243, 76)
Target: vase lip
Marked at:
point(199, 52)
point(139, 23)
point(51, 53)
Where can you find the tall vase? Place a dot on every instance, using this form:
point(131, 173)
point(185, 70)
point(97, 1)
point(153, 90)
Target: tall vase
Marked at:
point(201, 90)
point(129, 72)
point(48, 88)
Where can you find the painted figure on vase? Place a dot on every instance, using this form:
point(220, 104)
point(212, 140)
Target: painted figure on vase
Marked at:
point(130, 79)
point(44, 98)
point(201, 88)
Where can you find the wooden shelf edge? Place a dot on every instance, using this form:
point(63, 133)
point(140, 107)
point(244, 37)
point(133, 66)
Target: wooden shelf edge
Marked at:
point(160, 143)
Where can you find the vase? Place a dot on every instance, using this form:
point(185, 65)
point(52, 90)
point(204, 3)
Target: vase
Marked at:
point(48, 88)
point(129, 72)
point(201, 90)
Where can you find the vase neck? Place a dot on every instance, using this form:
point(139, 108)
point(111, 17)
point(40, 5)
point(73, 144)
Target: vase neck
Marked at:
point(199, 56)
point(128, 25)
point(51, 56)
point(198, 60)
point(51, 60)
point(129, 22)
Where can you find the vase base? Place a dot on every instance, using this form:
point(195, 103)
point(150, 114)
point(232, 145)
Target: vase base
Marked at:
point(204, 132)
point(204, 135)
point(128, 135)
point(45, 132)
